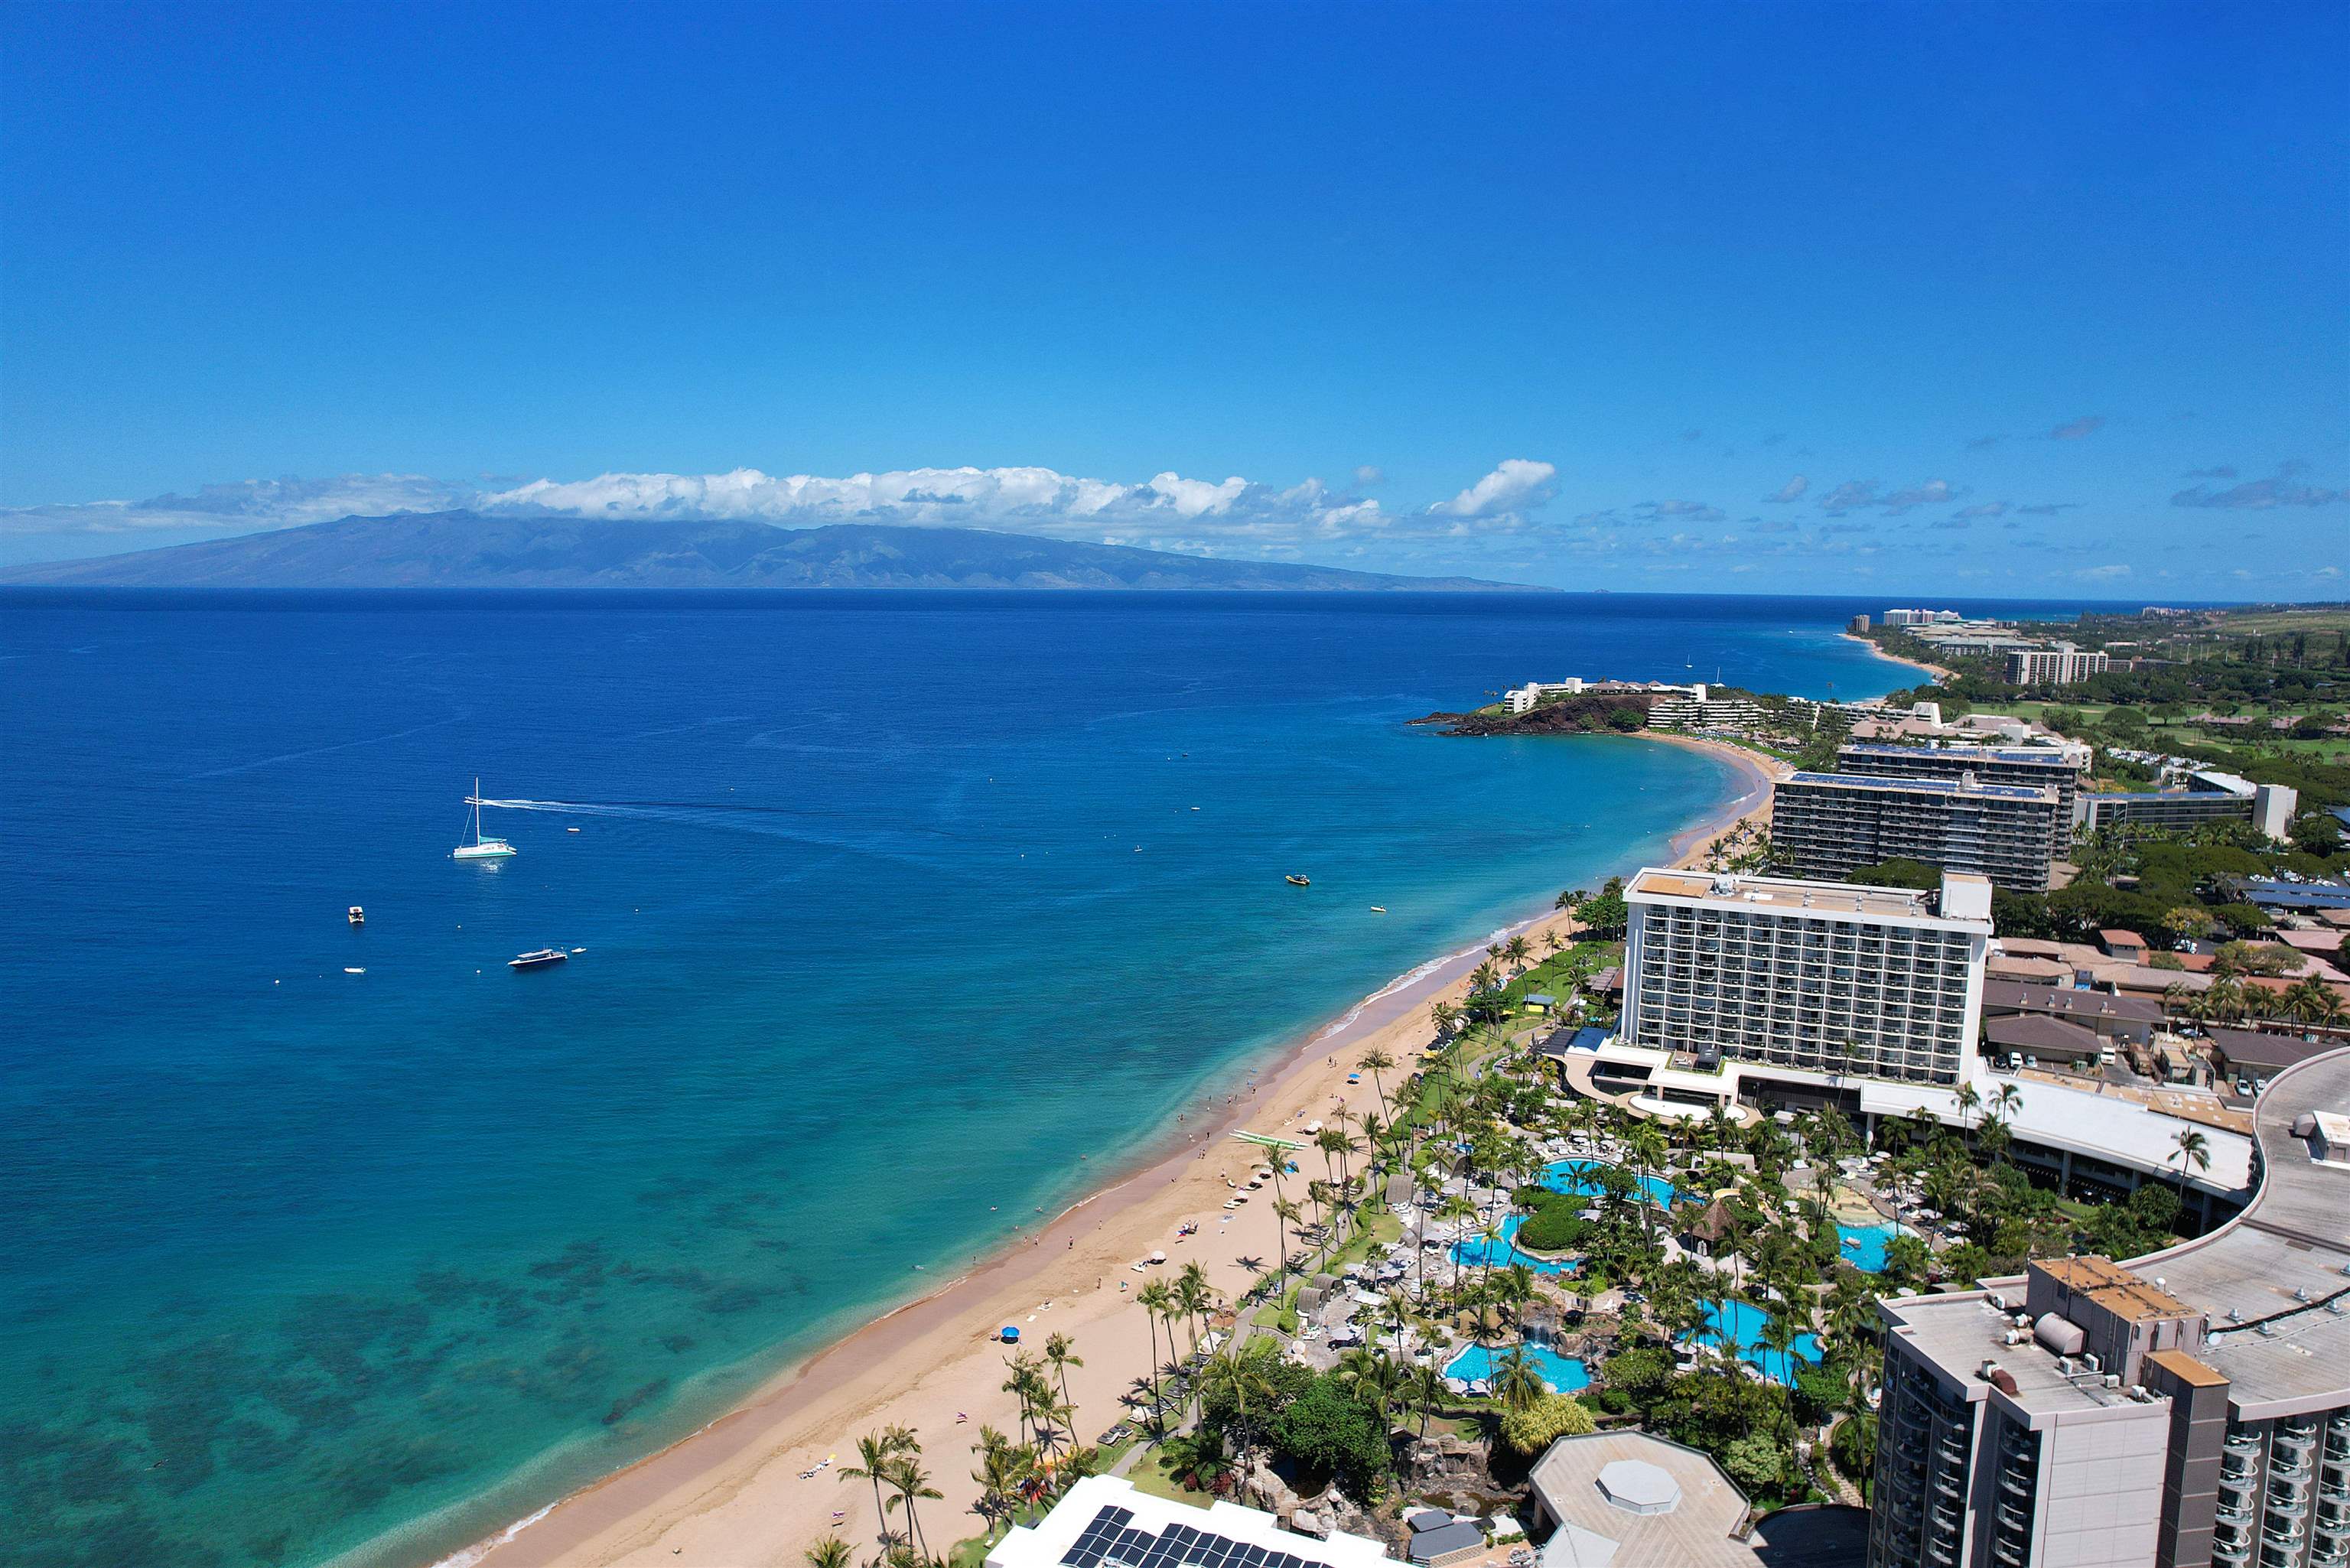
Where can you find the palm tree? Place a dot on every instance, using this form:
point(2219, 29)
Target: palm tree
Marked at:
point(1516, 1381)
point(1239, 1377)
point(2006, 1101)
point(831, 1551)
point(874, 1452)
point(1027, 1384)
point(1446, 1018)
point(1645, 1144)
point(2303, 999)
point(1194, 1297)
point(1777, 1336)
point(1968, 1103)
point(2193, 1149)
point(1158, 1301)
point(1286, 1214)
point(1516, 951)
point(1003, 1470)
point(1375, 1062)
point(1060, 1350)
point(905, 1472)
point(1337, 1145)
point(1425, 1384)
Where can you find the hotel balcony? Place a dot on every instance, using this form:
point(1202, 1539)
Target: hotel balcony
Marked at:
point(2286, 1536)
point(2225, 1548)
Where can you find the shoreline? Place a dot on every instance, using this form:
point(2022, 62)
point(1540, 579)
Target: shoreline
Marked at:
point(733, 1491)
point(1941, 677)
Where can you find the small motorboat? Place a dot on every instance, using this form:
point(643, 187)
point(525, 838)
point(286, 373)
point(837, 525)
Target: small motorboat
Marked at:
point(349, 970)
point(357, 916)
point(1378, 908)
point(1299, 881)
point(570, 830)
point(538, 958)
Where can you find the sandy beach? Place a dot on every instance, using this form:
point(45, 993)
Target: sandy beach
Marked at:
point(1939, 674)
point(734, 1494)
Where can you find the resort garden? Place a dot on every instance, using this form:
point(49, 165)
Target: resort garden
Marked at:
point(1482, 1262)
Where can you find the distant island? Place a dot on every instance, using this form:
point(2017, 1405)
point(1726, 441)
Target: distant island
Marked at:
point(468, 550)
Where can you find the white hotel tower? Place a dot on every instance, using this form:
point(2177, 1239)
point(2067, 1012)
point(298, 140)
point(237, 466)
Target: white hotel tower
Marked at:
point(1807, 980)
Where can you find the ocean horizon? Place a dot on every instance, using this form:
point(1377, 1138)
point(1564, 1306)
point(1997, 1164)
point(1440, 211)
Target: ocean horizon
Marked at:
point(892, 904)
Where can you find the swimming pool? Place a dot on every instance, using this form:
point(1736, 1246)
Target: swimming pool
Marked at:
point(1566, 1374)
point(1482, 1252)
point(1741, 1323)
point(1581, 1177)
point(1863, 1246)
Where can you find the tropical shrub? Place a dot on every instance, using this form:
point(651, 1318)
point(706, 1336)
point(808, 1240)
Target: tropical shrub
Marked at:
point(1549, 1419)
point(1327, 1432)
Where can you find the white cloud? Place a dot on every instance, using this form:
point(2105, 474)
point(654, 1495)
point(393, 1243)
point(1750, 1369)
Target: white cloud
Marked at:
point(246, 506)
point(1167, 511)
point(1791, 491)
point(1517, 485)
point(2103, 573)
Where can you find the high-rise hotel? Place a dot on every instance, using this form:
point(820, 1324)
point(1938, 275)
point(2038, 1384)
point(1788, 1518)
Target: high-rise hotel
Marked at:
point(1832, 825)
point(2189, 1410)
point(2050, 767)
point(1811, 977)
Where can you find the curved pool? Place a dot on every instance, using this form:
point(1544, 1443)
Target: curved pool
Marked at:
point(1739, 1325)
point(1480, 1251)
point(1580, 1178)
point(1564, 1374)
point(1863, 1246)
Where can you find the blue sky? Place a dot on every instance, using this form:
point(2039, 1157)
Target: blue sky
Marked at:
point(1558, 294)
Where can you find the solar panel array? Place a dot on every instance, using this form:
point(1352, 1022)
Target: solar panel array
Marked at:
point(1112, 1542)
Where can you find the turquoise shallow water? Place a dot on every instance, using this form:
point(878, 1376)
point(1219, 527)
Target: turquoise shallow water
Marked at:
point(892, 904)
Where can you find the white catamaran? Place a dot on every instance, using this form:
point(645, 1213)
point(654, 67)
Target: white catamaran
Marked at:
point(481, 848)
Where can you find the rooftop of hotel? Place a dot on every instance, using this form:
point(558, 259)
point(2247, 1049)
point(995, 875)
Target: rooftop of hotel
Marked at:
point(1693, 1527)
point(2049, 755)
point(1958, 1334)
point(1969, 787)
point(2113, 1288)
point(2107, 1126)
point(1779, 894)
point(2269, 1277)
point(2270, 1282)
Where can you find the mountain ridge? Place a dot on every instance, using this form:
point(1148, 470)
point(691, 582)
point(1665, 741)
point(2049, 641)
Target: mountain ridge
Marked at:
point(465, 549)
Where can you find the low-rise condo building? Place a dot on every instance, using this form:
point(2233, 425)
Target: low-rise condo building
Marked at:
point(1820, 977)
point(2215, 797)
point(2057, 767)
point(1830, 825)
point(2187, 1410)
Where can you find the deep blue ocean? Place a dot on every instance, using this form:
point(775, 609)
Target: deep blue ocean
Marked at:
point(891, 904)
